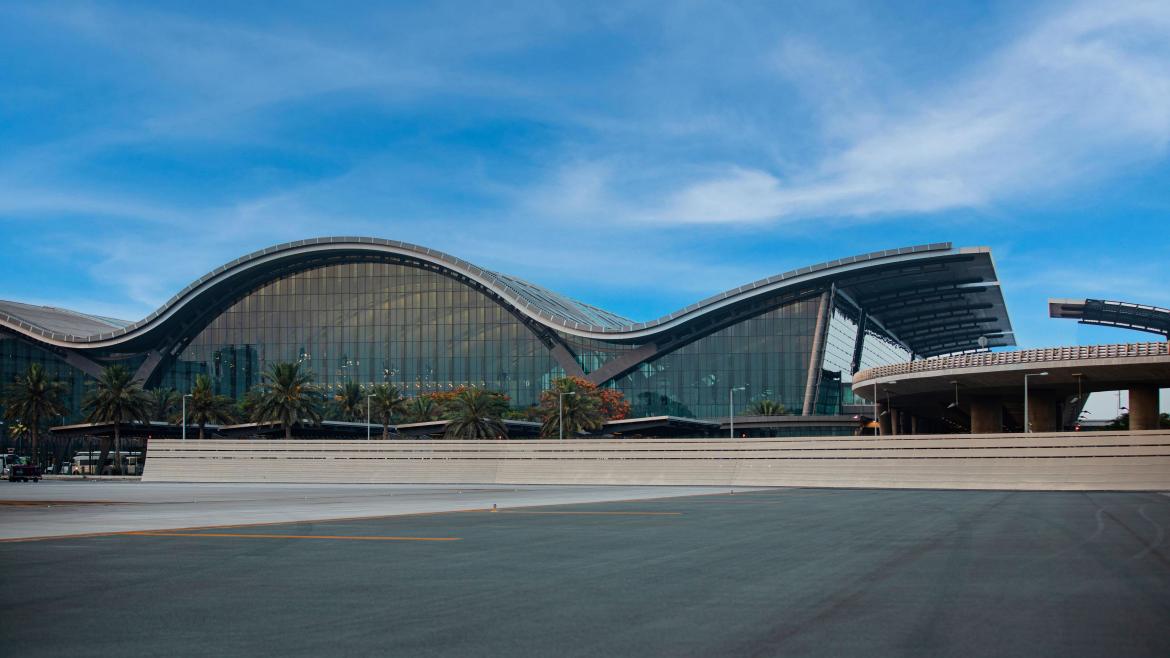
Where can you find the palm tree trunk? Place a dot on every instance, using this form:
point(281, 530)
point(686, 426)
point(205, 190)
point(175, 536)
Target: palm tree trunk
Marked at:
point(105, 453)
point(288, 431)
point(118, 448)
point(385, 431)
point(35, 431)
point(200, 431)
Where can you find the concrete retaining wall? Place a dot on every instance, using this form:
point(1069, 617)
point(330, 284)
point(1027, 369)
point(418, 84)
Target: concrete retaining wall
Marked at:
point(1055, 461)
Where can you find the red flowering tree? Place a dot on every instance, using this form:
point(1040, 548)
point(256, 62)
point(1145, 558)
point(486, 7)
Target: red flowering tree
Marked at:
point(583, 406)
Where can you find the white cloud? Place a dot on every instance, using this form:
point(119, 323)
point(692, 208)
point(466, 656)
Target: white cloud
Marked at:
point(1080, 96)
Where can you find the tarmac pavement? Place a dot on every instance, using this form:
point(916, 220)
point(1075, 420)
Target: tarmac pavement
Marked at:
point(767, 573)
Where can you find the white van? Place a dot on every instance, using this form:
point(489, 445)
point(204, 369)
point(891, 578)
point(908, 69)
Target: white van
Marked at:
point(85, 463)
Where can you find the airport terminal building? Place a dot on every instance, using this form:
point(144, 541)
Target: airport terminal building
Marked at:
point(372, 311)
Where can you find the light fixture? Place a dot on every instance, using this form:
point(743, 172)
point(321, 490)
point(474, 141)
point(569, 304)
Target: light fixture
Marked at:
point(1077, 397)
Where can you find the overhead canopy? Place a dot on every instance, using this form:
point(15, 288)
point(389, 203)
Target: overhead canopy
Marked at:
point(936, 305)
point(668, 426)
point(1141, 317)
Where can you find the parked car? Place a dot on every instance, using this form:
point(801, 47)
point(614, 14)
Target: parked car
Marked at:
point(24, 473)
point(9, 460)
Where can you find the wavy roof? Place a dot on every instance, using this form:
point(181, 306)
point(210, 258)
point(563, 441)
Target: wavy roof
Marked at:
point(911, 279)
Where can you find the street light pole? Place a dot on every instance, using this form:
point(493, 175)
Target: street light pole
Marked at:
point(561, 411)
point(368, 416)
point(1027, 418)
point(731, 409)
point(185, 415)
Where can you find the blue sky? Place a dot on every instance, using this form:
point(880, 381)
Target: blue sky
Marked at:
point(637, 156)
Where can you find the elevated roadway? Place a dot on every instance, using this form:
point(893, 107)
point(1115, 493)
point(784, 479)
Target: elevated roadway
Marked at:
point(985, 391)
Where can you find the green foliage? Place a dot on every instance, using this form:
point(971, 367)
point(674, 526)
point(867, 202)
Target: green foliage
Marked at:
point(475, 413)
point(351, 401)
point(423, 408)
point(32, 400)
point(582, 408)
point(768, 408)
point(164, 402)
point(287, 396)
point(204, 406)
point(1122, 422)
point(386, 404)
point(532, 414)
point(116, 397)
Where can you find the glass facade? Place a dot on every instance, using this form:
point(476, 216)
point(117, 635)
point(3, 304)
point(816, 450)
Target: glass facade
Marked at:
point(17, 355)
point(767, 354)
point(370, 323)
point(423, 331)
point(881, 348)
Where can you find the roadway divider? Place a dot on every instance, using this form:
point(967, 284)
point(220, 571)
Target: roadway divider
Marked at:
point(1131, 461)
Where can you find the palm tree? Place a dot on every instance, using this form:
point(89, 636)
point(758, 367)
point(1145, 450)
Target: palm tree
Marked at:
point(475, 414)
point(287, 396)
point(386, 403)
point(33, 399)
point(423, 408)
point(116, 397)
point(162, 403)
point(207, 407)
point(768, 408)
point(582, 408)
point(350, 400)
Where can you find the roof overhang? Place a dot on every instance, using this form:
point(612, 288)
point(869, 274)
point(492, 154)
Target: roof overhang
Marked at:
point(1140, 317)
point(952, 292)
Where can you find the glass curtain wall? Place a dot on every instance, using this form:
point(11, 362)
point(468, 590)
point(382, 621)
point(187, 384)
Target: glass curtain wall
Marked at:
point(17, 355)
point(767, 354)
point(370, 323)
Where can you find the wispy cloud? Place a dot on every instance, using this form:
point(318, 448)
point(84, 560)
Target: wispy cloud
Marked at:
point(1079, 97)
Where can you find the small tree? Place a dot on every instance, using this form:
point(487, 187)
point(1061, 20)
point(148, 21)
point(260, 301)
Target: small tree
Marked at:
point(386, 403)
point(206, 407)
point(287, 396)
point(476, 413)
point(163, 403)
point(423, 408)
point(768, 408)
point(350, 401)
point(32, 400)
point(116, 397)
point(582, 407)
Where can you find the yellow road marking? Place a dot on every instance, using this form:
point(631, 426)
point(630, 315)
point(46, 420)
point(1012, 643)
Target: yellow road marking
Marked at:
point(594, 513)
point(249, 535)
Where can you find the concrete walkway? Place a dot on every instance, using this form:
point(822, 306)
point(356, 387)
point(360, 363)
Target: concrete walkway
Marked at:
point(58, 508)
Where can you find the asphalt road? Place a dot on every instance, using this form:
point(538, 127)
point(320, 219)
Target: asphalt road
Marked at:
point(786, 572)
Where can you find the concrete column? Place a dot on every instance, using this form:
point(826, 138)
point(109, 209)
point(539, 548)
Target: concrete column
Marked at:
point(884, 423)
point(817, 356)
point(1042, 409)
point(1143, 408)
point(986, 415)
point(913, 424)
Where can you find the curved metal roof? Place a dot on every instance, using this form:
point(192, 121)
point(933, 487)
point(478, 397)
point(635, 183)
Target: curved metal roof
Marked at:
point(1140, 317)
point(942, 298)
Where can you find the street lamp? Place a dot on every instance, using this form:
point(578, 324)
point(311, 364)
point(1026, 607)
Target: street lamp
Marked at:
point(1077, 399)
point(185, 415)
point(731, 409)
point(1027, 419)
point(561, 411)
point(368, 415)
